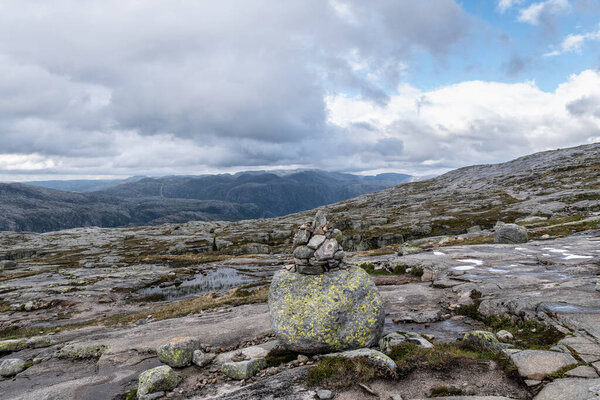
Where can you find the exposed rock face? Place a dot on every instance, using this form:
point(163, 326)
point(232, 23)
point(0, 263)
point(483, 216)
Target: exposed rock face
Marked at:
point(157, 379)
point(335, 311)
point(510, 234)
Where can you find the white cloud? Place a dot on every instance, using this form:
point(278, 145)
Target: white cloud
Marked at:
point(539, 12)
point(504, 5)
point(477, 122)
point(574, 43)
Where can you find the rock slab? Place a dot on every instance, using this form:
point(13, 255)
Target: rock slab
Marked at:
point(243, 369)
point(11, 366)
point(570, 389)
point(537, 364)
point(335, 311)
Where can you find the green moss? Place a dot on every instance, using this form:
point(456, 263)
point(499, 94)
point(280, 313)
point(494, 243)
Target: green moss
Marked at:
point(561, 372)
point(278, 356)
point(416, 271)
point(131, 395)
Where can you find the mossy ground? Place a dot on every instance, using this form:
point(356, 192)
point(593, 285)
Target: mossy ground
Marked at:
point(336, 372)
point(526, 334)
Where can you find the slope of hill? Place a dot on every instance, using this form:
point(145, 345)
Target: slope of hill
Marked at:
point(180, 199)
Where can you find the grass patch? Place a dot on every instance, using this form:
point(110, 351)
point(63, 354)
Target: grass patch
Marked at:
point(338, 372)
point(4, 306)
point(149, 298)
point(173, 310)
point(443, 356)
point(416, 271)
point(444, 391)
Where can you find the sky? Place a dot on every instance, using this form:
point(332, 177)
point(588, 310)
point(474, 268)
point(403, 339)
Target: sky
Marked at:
point(115, 88)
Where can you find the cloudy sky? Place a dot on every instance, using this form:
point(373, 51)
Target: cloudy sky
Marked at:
point(115, 88)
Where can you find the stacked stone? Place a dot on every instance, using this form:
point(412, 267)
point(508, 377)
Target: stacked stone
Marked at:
point(317, 247)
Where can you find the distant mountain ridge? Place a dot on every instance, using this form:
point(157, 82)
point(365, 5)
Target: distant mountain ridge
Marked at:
point(181, 199)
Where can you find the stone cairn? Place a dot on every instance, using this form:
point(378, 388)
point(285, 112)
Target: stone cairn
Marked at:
point(317, 247)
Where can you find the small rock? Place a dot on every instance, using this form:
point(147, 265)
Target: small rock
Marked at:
point(7, 264)
point(474, 229)
point(243, 369)
point(302, 358)
point(202, 359)
point(152, 396)
point(303, 252)
point(396, 338)
point(11, 366)
point(504, 335)
point(157, 379)
point(420, 317)
point(396, 397)
point(327, 250)
point(37, 342)
point(408, 250)
point(532, 382)
point(510, 234)
point(324, 394)
point(315, 242)
point(179, 352)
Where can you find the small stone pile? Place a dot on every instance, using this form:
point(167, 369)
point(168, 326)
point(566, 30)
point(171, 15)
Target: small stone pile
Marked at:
point(317, 247)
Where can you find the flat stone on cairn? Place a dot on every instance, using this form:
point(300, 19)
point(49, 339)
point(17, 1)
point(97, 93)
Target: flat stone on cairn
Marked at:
point(320, 304)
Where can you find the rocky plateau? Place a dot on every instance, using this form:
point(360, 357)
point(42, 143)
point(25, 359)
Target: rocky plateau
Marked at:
point(86, 313)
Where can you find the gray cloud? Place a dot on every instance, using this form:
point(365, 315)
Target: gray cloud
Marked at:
point(241, 84)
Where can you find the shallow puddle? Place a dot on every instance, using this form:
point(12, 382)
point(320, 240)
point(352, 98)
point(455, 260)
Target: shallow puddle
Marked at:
point(220, 280)
point(444, 331)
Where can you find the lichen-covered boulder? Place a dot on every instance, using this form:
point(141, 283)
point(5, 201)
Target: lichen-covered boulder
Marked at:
point(157, 379)
point(11, 366)
point(335, 311)
point(482, 340)
point(178, 352)
point(243, 369)
point(510, 234)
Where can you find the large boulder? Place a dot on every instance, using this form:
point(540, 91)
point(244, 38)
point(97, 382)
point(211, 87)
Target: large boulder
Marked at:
point(335, 311)
point(510, 234)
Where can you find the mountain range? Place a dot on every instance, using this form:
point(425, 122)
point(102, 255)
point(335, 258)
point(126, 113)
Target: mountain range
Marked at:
point(138, 201)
